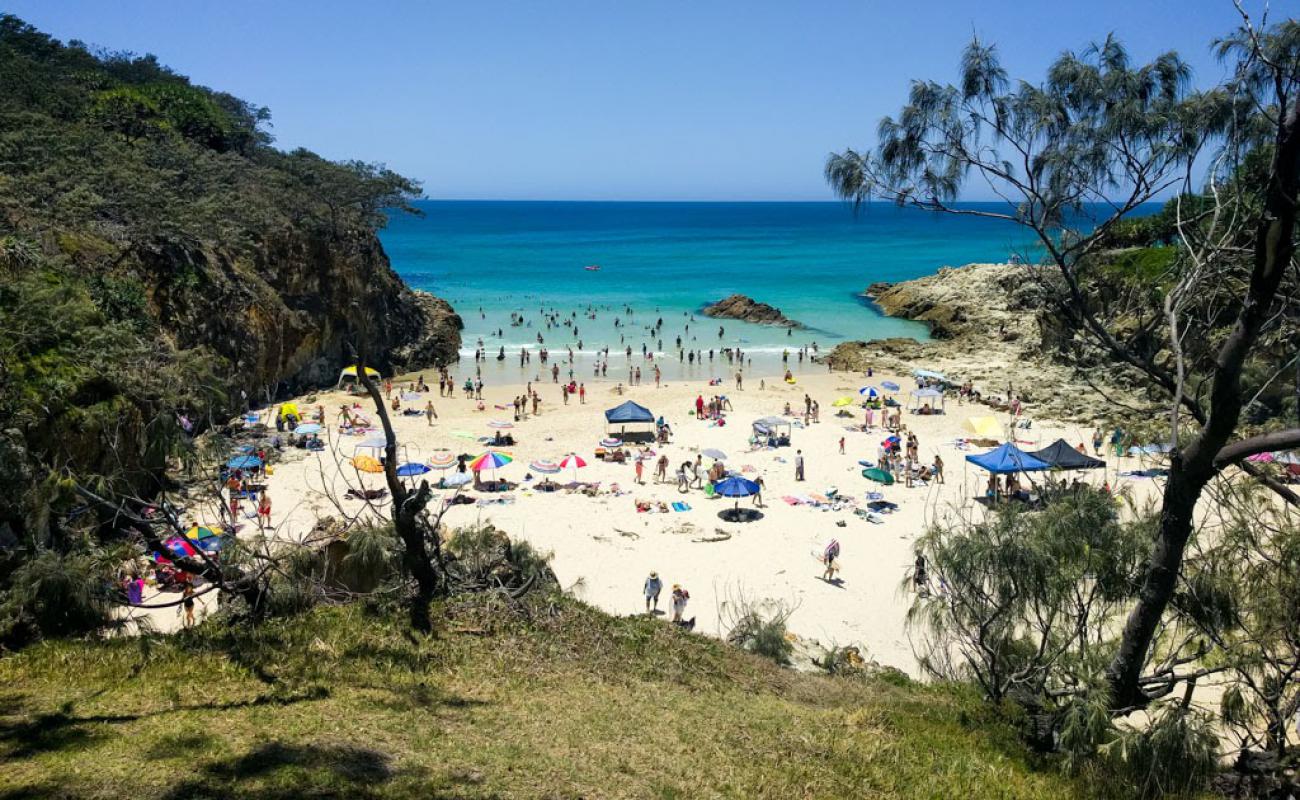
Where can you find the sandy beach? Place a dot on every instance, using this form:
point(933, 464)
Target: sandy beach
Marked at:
point(603, 548)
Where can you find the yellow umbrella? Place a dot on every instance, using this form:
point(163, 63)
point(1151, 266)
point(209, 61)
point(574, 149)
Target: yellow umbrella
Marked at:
point(842, 402)
point(351, 371)
point(985, 427)
point(367, 464)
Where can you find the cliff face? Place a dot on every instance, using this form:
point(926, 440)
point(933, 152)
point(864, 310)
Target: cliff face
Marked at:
point(286, 316)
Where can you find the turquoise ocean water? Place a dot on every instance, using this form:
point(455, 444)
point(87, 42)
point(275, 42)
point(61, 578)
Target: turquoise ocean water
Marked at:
point(492, 260)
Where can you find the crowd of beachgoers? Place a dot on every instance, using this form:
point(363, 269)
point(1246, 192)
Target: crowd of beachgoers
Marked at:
point(804, 490)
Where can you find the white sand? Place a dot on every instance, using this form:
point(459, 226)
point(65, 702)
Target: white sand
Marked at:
point(603, 549)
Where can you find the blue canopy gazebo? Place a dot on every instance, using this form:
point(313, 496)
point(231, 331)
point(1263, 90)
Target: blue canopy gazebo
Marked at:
point(1007, 459)
point(629, 413)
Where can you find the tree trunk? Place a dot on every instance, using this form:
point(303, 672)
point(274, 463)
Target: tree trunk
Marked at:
point(1191, 469)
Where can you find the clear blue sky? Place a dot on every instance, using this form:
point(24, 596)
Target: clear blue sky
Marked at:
point(606, 99)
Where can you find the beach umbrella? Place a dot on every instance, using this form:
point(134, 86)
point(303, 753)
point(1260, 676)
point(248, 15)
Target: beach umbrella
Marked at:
point(611, 442)
point(544, 466)
point(200, 532)
point(878, 475)
point(890, 386)
point(869, 392)
point(411, 470)
point(244, 462)
point(309, 427)
point(410, 397)
point(714, 453)
point(367, 464)
point(841, 402)
point(737, 487)
point(500, 424)
point(491, 459)
point(1286, 458)
point(456, 479)
point(179, 547)
point(572, 460)
point(442, 460)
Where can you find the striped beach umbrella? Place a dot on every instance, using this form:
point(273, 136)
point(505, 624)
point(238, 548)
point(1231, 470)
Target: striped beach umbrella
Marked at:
point(491, 460)
point(500, 424)
point(444, 460)
point(574, 461)
point(200, 532)
point(611, 442)
point(869, 392)
point(544, 466)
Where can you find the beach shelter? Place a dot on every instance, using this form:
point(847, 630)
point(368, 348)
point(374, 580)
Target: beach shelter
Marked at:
point(412, 470)
point(931, 397)
point(890, 386)
point(930, 375)
point(1060, 455)
point(985, 427)
point(629, 413)
point(491, 459)
point(878, 475)
point(574, 461)
point(778, 428)
point(367, 464)
point(244, 462)
point(350, 374)
point(736, 487)
point(289, 410)
point(1008, 458)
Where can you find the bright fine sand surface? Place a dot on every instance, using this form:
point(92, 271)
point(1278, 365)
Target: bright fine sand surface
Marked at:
point(604, 548)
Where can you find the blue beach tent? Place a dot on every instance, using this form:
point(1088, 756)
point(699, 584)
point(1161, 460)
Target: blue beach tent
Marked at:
point(1008, 458)
point(629, 412)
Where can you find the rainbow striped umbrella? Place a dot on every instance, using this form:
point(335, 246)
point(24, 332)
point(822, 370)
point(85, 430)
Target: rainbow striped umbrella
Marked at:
point(491, 460)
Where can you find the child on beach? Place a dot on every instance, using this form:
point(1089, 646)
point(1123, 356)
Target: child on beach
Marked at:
point(680, 597)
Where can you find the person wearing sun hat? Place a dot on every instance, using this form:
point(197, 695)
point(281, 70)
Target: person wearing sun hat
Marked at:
point(652, 588)
point(680, 596)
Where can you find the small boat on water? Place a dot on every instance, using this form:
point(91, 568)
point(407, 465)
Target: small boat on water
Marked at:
point(592, 268)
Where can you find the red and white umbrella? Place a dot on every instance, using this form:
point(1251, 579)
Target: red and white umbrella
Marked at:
point(572, 460)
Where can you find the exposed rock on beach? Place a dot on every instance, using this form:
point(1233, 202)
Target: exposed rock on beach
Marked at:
point(989, 325)
point(740, 307)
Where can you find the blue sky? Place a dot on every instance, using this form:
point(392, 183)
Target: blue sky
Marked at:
point(662, 99)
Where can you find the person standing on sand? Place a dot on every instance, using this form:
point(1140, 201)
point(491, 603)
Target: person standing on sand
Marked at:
point(653, 586)
point(187, 604)
point(841, 445)
point(680, 597)
point(938, 469)
point(661, 469)
point(640, 468)
point(798, 465)
point(429, 414)
point(582, 394)
point(758, 496)
point(264, 510)
point(740, 381)
point(1096, 441)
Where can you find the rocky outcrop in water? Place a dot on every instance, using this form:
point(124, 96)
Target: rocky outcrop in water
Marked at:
point(740, 307)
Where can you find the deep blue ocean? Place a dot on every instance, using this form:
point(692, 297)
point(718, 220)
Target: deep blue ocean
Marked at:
point(667, 260)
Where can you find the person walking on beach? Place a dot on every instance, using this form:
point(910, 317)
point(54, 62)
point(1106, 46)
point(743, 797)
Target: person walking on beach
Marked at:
point(740, 381)
point(429, 414)
point(938, 469)
point(661, 469)
point(680, 598)
point(699, 406)
point(1096, 441)
point(829, 557)
point(798, 465)
point(640, 467)
point(758, 496)
point(264, 510)
point(841, 445)
point(653, 586)
point(582, 394)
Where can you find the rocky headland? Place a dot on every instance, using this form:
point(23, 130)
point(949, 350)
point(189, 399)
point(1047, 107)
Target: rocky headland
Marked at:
point(747, 309)
point(987, 325)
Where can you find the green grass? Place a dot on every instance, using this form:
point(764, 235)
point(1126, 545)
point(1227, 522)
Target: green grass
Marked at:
point(556, 701)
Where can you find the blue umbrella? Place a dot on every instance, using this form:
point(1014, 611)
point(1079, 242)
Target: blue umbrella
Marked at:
point(735, 486)
point(244, 462)
point(870, 391)
point(889, 385)
point(411, 470)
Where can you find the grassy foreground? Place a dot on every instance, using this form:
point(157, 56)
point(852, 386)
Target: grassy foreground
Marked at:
point(557, 700)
